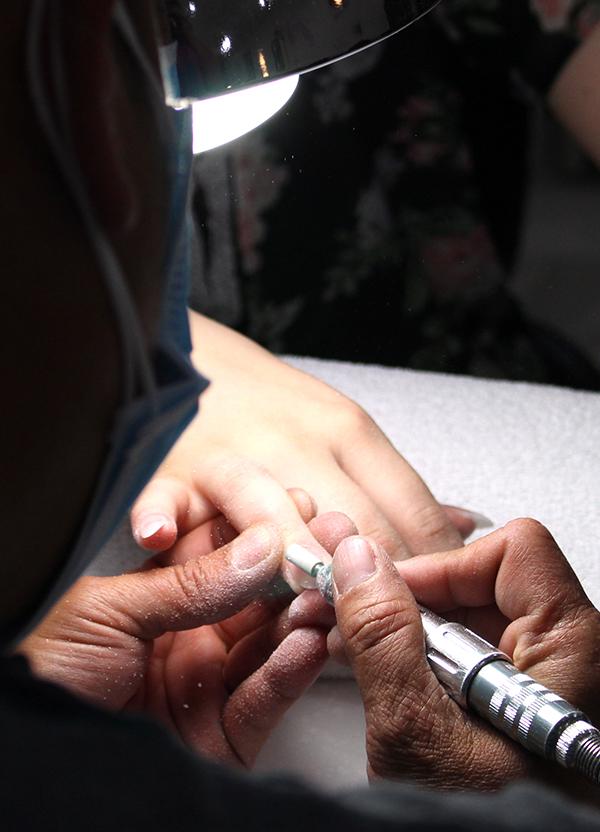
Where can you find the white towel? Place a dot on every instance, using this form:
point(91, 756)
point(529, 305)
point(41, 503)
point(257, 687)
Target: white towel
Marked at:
point(502, 448)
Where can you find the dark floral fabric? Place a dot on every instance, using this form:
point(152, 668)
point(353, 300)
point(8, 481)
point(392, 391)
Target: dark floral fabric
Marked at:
point(377, 217)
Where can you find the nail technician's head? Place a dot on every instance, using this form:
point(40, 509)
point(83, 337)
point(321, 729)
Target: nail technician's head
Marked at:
point(60, 356)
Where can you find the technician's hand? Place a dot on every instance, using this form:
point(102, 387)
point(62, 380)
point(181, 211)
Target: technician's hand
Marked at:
point(516, 589)
point(185, 643)
point(264, 426)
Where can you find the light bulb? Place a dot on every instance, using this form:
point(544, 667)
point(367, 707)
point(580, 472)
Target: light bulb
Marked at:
point(220, 120)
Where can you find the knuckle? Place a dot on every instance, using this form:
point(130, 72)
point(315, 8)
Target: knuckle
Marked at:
point(94, 598)
point(191, 581)
point(430, 522)
point(354, 420)
point(373, 623)
point(390, 542)
point(526, 533)
point(86, 586)
point(98, 601)
point(558, 590)
point(236, 477)
point(235, 470)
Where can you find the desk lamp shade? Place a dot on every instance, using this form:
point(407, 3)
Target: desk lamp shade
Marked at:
point(220, 46)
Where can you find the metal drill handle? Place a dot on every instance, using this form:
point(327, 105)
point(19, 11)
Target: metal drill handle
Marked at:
point(479, 676)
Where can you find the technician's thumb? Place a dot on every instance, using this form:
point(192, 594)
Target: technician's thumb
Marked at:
point(200, 591)
point(380, 626)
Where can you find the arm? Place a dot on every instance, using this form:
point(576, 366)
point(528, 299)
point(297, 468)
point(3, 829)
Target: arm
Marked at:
point(574, 97)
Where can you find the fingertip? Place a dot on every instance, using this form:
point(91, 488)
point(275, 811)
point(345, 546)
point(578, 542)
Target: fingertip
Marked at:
point(310, 609)
point(306, 505)
point(301, 655)
point(373, 603)
point(154, 532)
point(354, 562)
point(331, 528)
point(357, 561)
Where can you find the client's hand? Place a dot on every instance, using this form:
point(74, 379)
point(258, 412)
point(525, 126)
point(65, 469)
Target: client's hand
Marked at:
point(184, 642)
point(516, 589)
point(264, 426)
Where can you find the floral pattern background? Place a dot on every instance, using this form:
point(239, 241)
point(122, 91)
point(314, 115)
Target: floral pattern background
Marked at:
point(377, 217)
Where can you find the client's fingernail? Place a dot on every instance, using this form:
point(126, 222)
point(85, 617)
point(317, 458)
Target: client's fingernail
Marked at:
point(353, 563)
point(150, 525)
point(480, 520)
point(252, 547)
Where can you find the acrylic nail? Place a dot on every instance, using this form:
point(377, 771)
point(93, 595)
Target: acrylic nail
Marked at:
point(480, 520)
point(151, 525)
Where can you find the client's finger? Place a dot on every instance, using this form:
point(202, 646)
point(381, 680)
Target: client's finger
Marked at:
point(399, 492)
point(217, 532)
point(166, 508)
point(246, 493)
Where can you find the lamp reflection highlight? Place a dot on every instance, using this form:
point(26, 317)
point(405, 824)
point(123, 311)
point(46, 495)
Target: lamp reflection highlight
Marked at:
point(217, 121)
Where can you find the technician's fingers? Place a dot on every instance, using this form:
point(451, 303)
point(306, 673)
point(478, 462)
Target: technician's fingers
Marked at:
point(187, 595)
point(413, 728)
point(253, 649)
point(233, 730)
point(257, 705)
point(555, 629)
point(337, 647)
point(398, 491)
point(491, 570)
point(196, 696)
point(254, 633)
